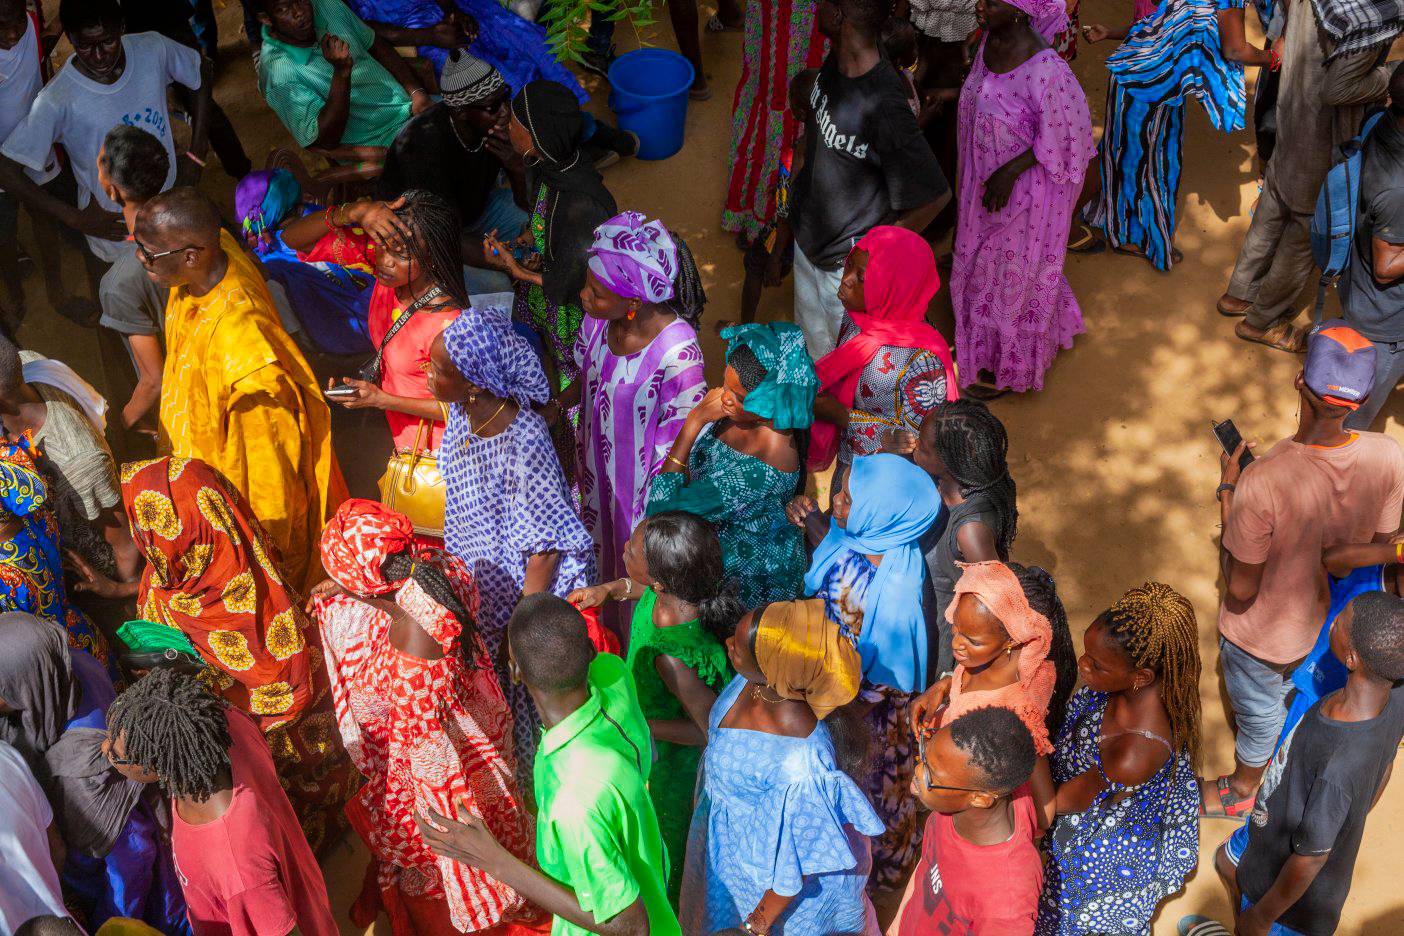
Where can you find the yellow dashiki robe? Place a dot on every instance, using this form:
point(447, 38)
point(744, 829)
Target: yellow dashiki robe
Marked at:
point(237, 394)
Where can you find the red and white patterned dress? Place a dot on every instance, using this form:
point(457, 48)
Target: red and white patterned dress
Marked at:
point(426, 733)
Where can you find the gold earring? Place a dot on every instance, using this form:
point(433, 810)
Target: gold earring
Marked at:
point(472, 399)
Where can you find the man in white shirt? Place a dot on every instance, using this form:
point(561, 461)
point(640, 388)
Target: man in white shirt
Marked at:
point(111, 79)
point(20, 81)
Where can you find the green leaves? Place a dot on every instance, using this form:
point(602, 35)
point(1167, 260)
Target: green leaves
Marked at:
point(567, 22)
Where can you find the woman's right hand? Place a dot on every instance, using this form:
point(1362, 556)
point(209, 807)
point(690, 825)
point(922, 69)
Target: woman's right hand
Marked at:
point(327, 588)
point(710, 409)
point(799, 508)
point(926, 705)
point(378, 219)
point(591, 596)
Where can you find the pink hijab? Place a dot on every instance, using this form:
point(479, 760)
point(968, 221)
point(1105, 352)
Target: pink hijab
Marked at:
point(995, 584)
point(900, 281)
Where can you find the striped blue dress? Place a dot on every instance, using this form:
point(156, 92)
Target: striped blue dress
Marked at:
point(1169, 56)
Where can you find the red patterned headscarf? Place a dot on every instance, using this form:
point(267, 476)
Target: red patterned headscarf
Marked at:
point(358, 538)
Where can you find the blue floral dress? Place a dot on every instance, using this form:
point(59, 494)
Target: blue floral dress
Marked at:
point(889, 778)
point(1111, 865)
point(776, 813)
point(31, 565)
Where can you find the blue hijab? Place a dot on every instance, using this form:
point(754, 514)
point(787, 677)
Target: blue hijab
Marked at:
point(894, 504)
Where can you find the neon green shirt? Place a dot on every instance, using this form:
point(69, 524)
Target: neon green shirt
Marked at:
point(296, 82)
point(596, 831)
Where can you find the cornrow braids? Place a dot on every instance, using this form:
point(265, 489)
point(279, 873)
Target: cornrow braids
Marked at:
point(434, 241)
point(430, 576)
point(1156, 627)
point(688, 295)
point(974, 447)
point(174, 726)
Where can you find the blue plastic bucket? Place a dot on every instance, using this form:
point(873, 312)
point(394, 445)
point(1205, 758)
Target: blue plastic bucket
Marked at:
point(649, 95)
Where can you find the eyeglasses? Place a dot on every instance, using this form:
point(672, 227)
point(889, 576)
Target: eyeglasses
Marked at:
point(149, 258)
point(921, 753)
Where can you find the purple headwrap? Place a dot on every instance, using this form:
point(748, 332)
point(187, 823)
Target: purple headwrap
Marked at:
point(636, 258)
point(1047, 17)
point(489, 354)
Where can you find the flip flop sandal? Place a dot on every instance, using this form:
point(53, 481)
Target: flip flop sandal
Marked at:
point(1232, 808)
point(1196, 925)
point(1281, 337)
point(715, 25)
point(704, 94)
point(1088, 240)
point(1131, 250)
point(984, 392)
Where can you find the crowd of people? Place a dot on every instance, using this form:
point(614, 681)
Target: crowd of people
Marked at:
point(609, 647)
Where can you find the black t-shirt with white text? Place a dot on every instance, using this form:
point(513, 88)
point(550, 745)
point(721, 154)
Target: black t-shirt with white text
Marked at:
point(1315, 796)
point(866, 162)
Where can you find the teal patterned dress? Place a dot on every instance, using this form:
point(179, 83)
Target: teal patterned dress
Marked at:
point(674, 776)
point(762, 551)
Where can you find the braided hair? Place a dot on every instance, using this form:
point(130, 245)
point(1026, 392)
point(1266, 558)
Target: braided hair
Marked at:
point(430, 576)
point(688, 295)
point(974, 448)
point(1041, 593)
point(685, 556)
point(1155, 626)
point(434, 241)
point(751, 372)
point(171, 724)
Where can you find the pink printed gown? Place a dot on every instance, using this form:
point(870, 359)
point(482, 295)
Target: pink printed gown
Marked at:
point(1013, 306)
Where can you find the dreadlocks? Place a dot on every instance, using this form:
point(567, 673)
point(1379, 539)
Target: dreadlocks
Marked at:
point(429, 575)
point(974, 448)
point(688, 295)
point(1155, 626)
point(434, 241)
point(1042, 595)
point(172, 725)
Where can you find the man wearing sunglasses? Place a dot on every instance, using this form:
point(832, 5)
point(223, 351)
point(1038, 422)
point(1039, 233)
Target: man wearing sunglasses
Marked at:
point(979, 872)
point(235, 391)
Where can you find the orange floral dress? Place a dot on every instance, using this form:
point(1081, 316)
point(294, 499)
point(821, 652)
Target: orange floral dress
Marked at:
point(212, 574)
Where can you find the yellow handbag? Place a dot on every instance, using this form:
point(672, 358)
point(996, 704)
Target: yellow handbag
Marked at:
point(413, 486)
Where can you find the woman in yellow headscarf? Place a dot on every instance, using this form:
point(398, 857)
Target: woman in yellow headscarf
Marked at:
point(779, 812)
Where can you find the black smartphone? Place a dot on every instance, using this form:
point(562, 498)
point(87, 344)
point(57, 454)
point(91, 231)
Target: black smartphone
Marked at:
point(1227, 434)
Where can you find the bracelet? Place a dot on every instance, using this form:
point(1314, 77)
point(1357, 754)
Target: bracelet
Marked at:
point(1274, 60)
point(1399, 552)
point(1226, 486)
point(677, 461)
point(752, 929)
point(628, 587)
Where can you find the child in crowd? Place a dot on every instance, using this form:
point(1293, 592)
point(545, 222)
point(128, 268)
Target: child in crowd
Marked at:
point(979, 831)
point(1310, 815)
point(771, 255)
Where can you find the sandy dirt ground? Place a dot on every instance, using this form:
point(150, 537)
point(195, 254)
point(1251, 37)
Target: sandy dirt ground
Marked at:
point(1114, 460)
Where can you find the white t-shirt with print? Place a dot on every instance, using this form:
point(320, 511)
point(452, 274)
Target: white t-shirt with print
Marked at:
point(29, 885)
point(77, 112)
point(20, 81)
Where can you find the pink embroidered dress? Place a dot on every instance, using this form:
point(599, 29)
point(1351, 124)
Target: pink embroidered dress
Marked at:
point(1013, 306)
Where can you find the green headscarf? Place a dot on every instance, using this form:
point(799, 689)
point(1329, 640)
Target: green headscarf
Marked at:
point(786, 395)
point(150, 637)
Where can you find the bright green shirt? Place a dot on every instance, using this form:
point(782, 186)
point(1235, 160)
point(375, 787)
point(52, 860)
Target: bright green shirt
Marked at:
point(596, 831)
point(296, 82)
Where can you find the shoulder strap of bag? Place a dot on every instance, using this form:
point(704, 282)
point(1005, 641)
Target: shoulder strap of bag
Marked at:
point(372, 370)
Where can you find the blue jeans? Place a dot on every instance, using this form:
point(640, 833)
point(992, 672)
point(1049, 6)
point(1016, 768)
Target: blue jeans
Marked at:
point(500, 214)
point(1277, 928)
point(1257, 691)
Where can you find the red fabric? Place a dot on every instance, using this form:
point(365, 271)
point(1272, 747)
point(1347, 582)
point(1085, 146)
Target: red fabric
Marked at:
point(604, 639)
point(212, 574)
point(952, 892)
point(406, 358)
point(424, 732)
point(251, 872)
point(900, 281)
point(358, 538)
